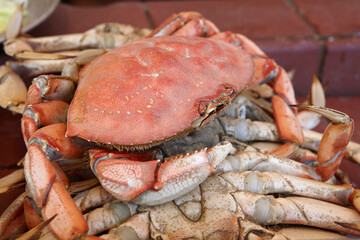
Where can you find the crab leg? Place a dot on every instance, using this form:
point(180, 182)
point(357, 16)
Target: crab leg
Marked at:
point(31, 68)
point(284, 94)
point(313, 139)
point(284, 116)
point(137, 227)
point(300, 154)
point(352, 151)
point(78, 187)
point(306, 233)
point(286, 121)
point(245, 161)
point(12, 221)
point(266, 70)
point(32, 214)
point(227, 216)
point(69, 42)
point(118, 28)
point(297, 210)
point(272, 182)
point(96, 197)
point(253, 231)
point(39, 113)
point(336, 137)
point(185, 24)
point(12, 90)
point(36, 64)
point(331, 147)
point(109, 216)
point(92, 198)
point(12, 180)
point(246, 130)
point(225, 213)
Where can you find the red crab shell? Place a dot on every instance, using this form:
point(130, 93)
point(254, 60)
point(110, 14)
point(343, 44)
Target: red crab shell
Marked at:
point(150, 90)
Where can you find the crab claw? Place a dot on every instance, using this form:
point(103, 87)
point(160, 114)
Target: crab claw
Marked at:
point(45, 185)
point(51, 196)
point(124, 178)
point(152, 182)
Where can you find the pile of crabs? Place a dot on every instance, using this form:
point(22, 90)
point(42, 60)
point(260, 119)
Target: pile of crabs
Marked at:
point(189, 132)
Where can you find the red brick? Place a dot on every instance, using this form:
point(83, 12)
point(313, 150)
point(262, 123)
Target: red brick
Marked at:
point(332, 17)
point(341, 67)
point(74, 19)
point(303, 56)
point(255, 19)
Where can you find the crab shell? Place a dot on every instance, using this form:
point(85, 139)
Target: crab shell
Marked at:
point(151, 90)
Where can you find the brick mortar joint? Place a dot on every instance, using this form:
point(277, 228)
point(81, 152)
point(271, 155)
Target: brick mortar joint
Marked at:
point(302, 17)
point(316, 36)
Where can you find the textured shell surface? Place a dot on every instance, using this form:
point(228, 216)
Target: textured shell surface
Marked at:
point(150, 90)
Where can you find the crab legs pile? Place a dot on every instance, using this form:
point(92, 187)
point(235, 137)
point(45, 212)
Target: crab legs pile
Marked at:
point(174, 161)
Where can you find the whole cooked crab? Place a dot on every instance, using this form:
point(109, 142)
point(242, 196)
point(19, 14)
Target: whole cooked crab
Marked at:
point(160, 89)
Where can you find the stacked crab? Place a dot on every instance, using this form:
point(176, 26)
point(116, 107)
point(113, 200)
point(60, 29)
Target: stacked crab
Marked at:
point(172, 159)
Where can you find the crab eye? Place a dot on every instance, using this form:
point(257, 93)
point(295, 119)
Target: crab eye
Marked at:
point(230, 91)
point(203, 105)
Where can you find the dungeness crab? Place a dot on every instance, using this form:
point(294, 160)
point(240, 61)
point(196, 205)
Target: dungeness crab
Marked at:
point(159, 89)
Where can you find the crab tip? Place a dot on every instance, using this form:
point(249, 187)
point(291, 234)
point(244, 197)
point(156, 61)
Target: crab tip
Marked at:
point(353, 226)
point(6, 189)
point(36, 230)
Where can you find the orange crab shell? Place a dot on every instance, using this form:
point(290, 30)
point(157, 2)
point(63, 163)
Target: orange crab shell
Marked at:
point(152, 89)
